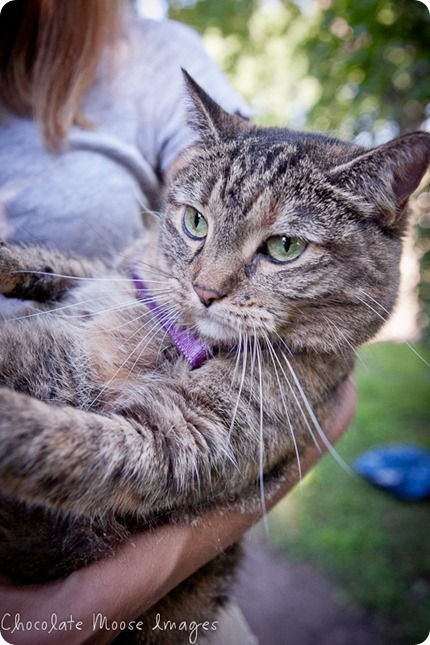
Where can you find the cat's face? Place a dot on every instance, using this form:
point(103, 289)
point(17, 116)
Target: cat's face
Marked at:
point(272, 233)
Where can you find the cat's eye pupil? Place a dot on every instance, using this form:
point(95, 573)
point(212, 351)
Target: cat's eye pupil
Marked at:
point(287, 243)
point(283, 248)
point(194, 223)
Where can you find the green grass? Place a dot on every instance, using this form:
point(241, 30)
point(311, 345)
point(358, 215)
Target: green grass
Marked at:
point(376, 545)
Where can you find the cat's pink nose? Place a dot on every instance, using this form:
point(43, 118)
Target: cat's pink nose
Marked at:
point(207, 296)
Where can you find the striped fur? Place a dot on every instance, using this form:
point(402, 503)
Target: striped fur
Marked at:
point(104, 428)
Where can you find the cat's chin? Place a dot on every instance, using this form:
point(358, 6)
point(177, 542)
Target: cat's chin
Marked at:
point(216, 332)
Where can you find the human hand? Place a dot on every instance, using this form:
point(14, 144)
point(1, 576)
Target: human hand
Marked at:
point(144, 569)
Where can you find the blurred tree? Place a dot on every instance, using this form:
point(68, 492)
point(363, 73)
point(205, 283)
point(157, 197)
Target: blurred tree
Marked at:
point(229, 16)
point(372, 59)
point(254, 41)
point(367, 63)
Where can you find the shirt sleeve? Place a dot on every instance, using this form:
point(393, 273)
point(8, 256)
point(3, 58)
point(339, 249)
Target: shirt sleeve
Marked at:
point(163, 131)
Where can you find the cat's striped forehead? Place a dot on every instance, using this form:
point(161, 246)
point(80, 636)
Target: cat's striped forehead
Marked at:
point(236, 173)
point(253, 183)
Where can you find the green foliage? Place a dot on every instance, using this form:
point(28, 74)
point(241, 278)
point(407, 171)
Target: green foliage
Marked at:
point(376, 544)
point(348, 66)
point(424, 284)
point(372, 59)
point(230, 17)
point(255, 44)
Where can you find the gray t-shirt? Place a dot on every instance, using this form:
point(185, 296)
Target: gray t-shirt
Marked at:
point(89, 198)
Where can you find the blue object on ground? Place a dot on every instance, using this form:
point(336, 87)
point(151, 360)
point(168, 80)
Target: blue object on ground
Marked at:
point(401, 469)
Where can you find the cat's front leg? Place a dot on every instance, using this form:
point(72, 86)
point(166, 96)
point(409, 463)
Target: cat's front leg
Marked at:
point(96, 465)
point(62, 457)
point(36, 273)
point(169, 445)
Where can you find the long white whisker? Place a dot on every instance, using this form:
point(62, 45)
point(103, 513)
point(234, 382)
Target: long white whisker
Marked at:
point(54, 310)
point(171, 321)
point(411, 347)
point(253, 359)
point(238, 354)
point(383, 318)
point(296, 399)
point(165, 318)
point(146, 313)
point(315, 421)
point(156, 269)
point(130, 304)
point(156, 325)
point(157, 321)
point(83, 278)
point(284, 403)
point(242, 380)
point(330, 325)
point(261, 443)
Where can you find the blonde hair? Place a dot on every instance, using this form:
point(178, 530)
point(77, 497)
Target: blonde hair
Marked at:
point(49, 51)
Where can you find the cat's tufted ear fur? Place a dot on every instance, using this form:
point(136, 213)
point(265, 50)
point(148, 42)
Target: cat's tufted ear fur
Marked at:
point(206, 117)
point(387, 175)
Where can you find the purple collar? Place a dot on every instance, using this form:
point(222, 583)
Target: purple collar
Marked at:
point(190, 345)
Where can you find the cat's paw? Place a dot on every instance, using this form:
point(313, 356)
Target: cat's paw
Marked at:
point(10, 268)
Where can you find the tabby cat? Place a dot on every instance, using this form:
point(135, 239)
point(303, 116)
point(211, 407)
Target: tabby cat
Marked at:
point(191, 375)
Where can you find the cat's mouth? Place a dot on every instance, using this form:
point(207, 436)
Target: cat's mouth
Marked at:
point(213, 329)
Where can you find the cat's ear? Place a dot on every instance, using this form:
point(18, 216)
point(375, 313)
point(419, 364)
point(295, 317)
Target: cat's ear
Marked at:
point(206, 117)
point(387, 175)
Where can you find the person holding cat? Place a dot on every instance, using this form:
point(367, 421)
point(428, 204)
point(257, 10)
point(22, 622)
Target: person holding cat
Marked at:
point(91, 124)
point(146, 568)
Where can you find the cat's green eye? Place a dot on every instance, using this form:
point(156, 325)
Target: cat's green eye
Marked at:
point(195, 225)
point(284, 249)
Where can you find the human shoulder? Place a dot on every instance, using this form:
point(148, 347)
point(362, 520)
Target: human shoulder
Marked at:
point(159, 50)
point(165, 34)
